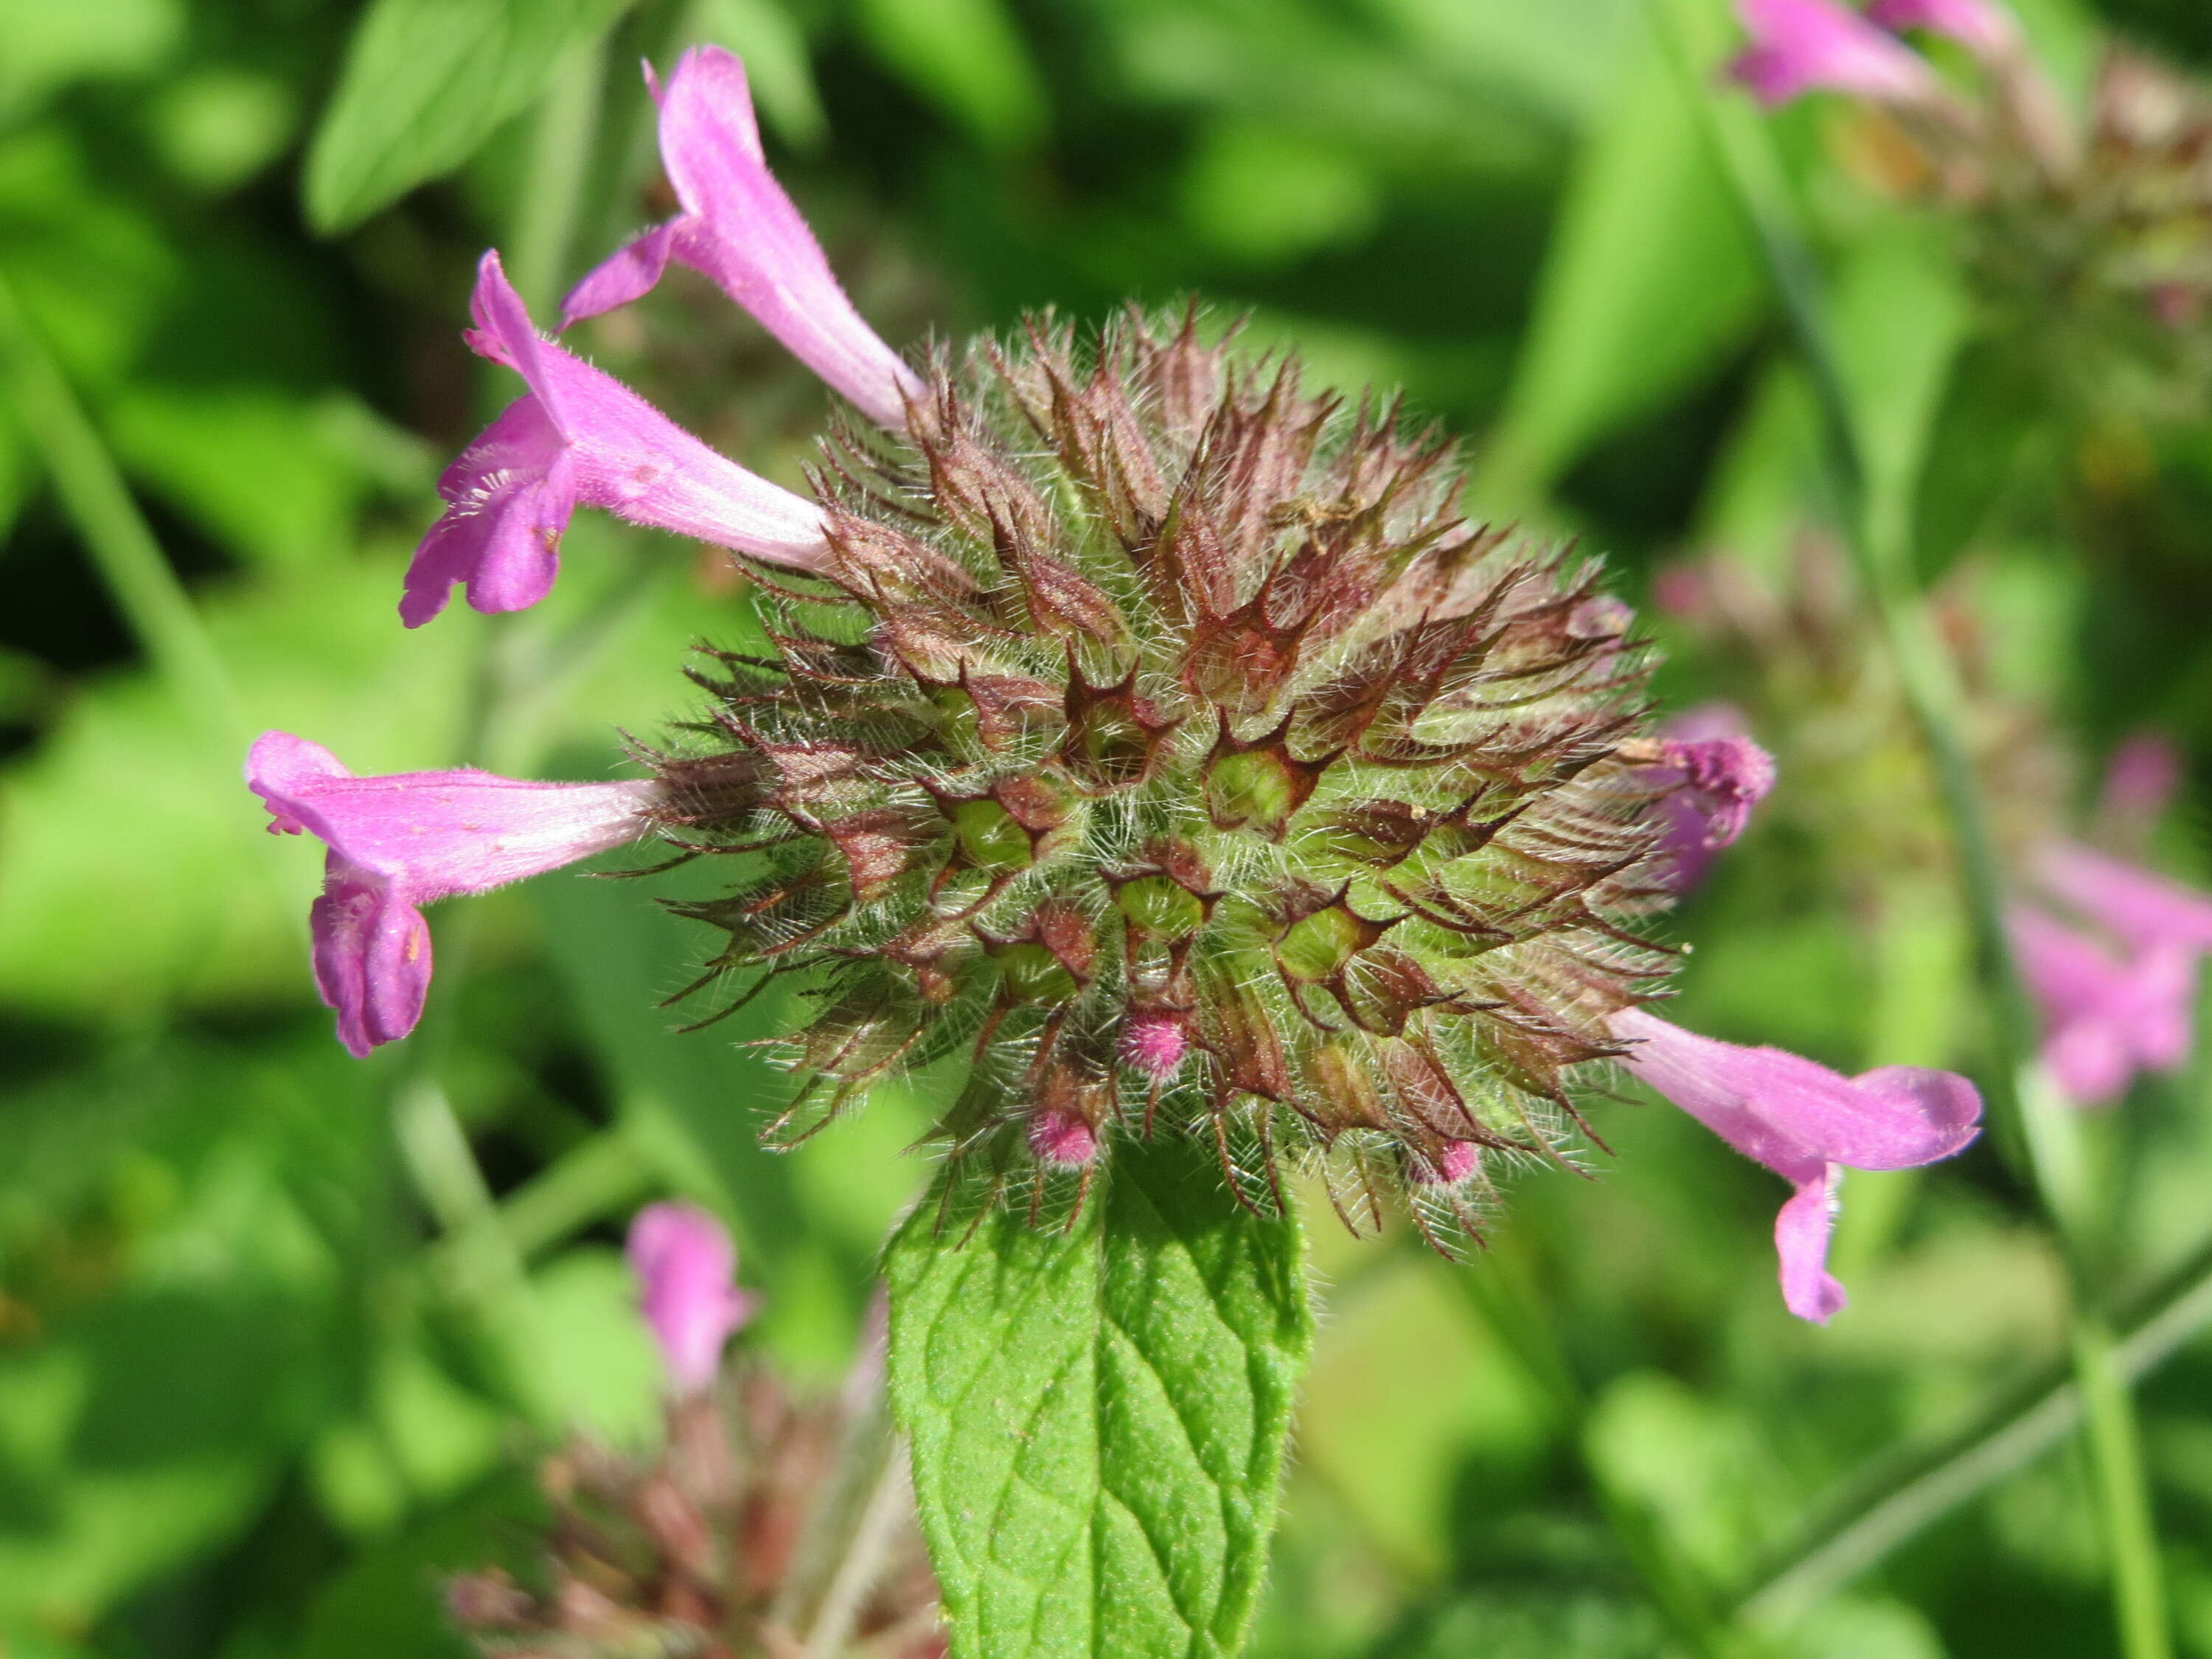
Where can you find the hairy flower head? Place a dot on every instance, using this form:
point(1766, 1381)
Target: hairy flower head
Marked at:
point(1164, 737)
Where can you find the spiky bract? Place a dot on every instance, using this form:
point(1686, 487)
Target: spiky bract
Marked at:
point(1167, 739)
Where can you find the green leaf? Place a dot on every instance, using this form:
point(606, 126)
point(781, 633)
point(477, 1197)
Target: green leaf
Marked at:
point(1097, 1412)
point(1652, 276)
point(426, 81)
point(966, 56)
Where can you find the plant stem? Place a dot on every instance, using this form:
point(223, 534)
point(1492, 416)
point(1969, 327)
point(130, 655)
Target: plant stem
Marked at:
point(433, 1143)
point(2031, 1123)
point(123, 551)
point(1916, 1486)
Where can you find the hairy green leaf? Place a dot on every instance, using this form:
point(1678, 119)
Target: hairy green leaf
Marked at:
point(1097, 1412)
point(425, 83)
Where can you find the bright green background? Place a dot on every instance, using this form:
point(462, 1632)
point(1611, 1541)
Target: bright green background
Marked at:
point(266, 1363)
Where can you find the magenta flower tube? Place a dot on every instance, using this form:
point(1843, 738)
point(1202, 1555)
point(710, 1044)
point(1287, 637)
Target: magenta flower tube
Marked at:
point(1806, 1124)
point(580, 436)
point(740, 230)
point(407, 839)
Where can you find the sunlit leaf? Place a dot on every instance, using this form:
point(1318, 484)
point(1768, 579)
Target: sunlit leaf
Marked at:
point(1652, 276)
point(966, 58)
point(1097, 1414)
point(425, 83)
point(52, 43)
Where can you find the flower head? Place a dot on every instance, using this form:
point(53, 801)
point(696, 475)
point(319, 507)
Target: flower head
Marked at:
point(738, 228)
point(686, 1268)
point(578, 435)
point(1163, 734)
point(1799, 46)
point(401, 840)
point(1806, 1123)
point(2105, 1019)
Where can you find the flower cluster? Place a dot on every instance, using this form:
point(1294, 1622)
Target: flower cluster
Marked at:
point(1149, 731)
point(711, 1544)
point(2090, 233)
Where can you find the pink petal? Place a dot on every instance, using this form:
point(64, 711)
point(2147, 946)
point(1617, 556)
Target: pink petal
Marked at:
point(405, 839)
point(1793, 1114)
point(686, 1267)
point(509, 496)
point(1801, 1119)
point(1805, 45)
point(372, 951)
point(440, 833)
point(741, 229)
point(1801, 1240)
point(580, 435)
point(1981, 27)
point(629, 273)
point(2142, 908)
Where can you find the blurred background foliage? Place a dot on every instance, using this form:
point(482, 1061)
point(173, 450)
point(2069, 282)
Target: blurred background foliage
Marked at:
point(276, 1329)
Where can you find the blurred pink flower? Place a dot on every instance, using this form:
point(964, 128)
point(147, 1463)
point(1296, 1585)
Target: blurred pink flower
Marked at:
point(2140, 781)
point(687, 1267)
point(406, 839)
point(579, 435)
point(1983, 28)
point(2145, 910)
point(1806, 1123)
point(2104, 1019)
point(741, 229)
point(1807, 45)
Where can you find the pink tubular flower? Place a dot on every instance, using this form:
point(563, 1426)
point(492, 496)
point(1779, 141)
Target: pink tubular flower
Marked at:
point(2146, 911)
point(687, 1268)
point(1984, 28)
point(1806, 1123)
point(400, 841)
point(1807, 45)
point(2103, 1019)
point(1715, 775)
point(741, 231)
point(578, 435)
point(2140, 781)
